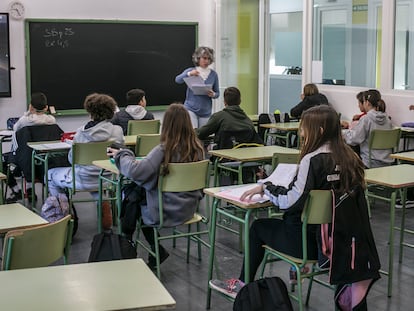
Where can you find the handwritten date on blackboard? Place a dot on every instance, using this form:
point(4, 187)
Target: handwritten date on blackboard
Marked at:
point(57, 37)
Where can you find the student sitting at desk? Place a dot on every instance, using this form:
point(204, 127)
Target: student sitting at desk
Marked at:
point(101, 109)
point(178, 144)
point(231, 118)
point(135, 110)
point(310, 98)
point(231, 126)
point(35, 115)
point(326, 163)
point(374, 119)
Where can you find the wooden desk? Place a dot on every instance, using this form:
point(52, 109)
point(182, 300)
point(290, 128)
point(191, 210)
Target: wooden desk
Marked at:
point(403, 156)
point(406, 134)
point(16, 216)
point(246, 210)
point(110, 285)
point(244, 155)
point(286, 130)
point(41, 153)
point(395, 178)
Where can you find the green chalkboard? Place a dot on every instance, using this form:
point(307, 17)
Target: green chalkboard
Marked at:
point(69, 59)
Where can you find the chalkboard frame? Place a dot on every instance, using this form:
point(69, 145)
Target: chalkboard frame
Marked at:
point(80, 111)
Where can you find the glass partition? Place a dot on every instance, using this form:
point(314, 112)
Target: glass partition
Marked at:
point(346, 41)
point(403, 47)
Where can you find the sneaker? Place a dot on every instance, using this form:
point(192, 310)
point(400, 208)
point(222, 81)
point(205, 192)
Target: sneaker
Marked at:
point(14, 197)
point(152, 263)
point(229, 287)
point(408, 204)
point(293, 275)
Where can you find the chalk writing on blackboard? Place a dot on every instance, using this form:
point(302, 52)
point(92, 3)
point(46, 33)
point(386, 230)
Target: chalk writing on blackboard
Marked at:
point(57, 37)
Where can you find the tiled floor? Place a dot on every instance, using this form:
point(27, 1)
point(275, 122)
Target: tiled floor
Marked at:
point(188, 282)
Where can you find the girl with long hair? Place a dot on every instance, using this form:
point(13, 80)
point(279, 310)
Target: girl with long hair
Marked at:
point(178, 144)
point(326, 162)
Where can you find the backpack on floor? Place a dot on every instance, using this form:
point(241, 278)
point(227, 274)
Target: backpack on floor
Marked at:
point(111, 246)
point(268, 294)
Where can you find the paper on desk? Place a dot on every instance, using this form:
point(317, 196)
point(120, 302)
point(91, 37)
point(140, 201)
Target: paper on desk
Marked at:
point(235, 194)
point(283, 175)
point(196, 84)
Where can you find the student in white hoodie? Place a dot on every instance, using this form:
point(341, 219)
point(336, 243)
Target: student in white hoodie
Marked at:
point(375, 118)
point(134, 111)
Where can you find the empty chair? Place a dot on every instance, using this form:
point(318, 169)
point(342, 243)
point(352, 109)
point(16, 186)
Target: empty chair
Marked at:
point(37, 246)
point(145, 143)
point(136, 127)
point(380, 140)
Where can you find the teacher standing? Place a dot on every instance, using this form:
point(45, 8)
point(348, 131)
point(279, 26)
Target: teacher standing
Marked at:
point(200, 106)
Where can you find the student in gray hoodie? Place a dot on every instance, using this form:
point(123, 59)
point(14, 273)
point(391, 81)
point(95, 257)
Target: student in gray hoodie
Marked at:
point(178, 144)
point(359, 135)
point(101, 108)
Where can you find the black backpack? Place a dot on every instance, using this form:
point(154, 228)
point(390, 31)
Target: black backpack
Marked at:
point(111, 246)
point(268, 294)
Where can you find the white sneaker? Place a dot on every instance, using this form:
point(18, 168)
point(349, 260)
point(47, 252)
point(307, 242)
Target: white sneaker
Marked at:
point(228, 287)
point(408, 204)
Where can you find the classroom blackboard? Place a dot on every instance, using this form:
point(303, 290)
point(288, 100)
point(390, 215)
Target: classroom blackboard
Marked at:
point(69, 59)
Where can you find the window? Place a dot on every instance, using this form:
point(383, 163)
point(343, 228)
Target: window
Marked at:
point(347, 42)
point(403, 47)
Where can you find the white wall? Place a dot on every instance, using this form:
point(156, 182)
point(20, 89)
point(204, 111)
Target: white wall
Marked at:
point(201, 11)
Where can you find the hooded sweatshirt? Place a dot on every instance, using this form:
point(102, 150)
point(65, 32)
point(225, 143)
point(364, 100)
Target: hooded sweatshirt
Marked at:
point(131, 112)
point(359, 135)
point(231, 118)
point(102, 131)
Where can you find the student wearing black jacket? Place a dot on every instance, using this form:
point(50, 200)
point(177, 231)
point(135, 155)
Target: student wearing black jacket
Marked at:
point(326, 162)
point(310, 98)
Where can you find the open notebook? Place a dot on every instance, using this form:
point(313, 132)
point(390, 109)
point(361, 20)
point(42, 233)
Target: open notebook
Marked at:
point(283, 175)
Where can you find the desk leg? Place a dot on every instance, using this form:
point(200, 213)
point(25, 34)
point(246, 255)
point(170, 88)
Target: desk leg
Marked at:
point(247, 246)
point(391, 242)
point(213, 227)
point(118, 194)
point(402, 227)
point(99, 216)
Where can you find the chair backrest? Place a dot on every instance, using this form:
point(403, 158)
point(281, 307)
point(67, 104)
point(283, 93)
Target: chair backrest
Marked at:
point(33, 133)
point(383, 139)
point(86, 153)
point(230, 138)
point(317, 210)
point(290, 158)
point(145, 143)
point(37, 246)
point(136, 127)
point(182, 177)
